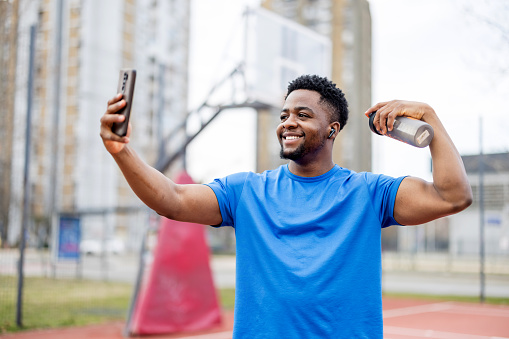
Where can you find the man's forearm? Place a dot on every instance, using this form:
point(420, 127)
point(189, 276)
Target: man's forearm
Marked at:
point(150, 185)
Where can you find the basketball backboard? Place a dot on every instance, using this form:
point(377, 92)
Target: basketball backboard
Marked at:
point(277, 51)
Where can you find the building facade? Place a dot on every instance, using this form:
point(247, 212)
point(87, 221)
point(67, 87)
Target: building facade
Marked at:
point(459, 235)
point(80, 48)
point(489, 177)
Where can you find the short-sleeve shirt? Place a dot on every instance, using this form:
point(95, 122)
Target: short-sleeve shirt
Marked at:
point(308, 251)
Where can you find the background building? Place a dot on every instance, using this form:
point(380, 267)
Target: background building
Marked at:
point(80, 48)
point(465, 227)
point(9, 23)
point(459, 235)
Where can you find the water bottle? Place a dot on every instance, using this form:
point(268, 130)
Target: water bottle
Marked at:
point(411, 131)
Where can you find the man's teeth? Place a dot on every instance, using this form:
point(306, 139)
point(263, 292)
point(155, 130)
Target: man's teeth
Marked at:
point(292, 137)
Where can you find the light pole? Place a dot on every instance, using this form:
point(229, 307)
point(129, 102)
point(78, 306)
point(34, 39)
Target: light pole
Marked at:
point(481, 212)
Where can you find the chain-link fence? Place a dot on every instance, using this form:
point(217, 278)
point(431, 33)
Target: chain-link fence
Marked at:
point(98, 286)
point(94, 286)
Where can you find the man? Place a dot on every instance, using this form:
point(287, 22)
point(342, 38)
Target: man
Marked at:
point(308, 233)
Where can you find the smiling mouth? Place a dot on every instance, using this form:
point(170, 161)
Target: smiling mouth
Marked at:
point(292, 137)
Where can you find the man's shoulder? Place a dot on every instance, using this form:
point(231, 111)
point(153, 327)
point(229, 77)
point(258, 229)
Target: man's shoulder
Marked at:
point(350, 178)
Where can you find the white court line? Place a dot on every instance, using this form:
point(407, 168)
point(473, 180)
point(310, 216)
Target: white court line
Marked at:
point(412, 332)
point(218, 335)
point(481, 310)
point(399, 312)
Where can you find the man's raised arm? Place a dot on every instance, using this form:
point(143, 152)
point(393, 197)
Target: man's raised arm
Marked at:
point(418, 201)
point(190, 203)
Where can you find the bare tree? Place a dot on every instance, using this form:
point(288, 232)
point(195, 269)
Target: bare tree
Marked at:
point(493, 16)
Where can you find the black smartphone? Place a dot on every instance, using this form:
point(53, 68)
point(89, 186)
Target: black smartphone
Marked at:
point(126, 81)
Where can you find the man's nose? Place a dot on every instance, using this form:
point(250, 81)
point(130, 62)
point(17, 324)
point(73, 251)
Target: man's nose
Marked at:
point(291, 122)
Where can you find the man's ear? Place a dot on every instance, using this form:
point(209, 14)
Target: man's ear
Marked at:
point(334, 129)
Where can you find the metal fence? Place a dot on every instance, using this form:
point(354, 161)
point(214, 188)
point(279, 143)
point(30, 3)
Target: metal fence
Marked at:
point(97, 284)
point(100, 284)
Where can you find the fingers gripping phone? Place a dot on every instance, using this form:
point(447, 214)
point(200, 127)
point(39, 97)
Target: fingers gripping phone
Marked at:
point(126, 81)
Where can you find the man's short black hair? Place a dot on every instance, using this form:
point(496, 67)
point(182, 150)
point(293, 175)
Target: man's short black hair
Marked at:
point(330, 95)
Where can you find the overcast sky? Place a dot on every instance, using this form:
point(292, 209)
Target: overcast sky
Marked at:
point(436, 51)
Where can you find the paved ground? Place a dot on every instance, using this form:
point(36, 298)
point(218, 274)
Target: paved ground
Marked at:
point(441, 283)
point(399, 281)
point(398, 275)
point(403, 319)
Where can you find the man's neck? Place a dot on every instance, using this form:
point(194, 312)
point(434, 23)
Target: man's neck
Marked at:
point(313, 169)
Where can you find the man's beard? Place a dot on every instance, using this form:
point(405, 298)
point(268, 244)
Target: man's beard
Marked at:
point(295, 155)
point(299, 152)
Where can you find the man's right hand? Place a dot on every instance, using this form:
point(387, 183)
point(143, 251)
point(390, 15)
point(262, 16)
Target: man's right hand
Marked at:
point(113, 143)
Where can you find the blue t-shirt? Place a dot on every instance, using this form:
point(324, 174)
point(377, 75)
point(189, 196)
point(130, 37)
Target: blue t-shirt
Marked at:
point(308, 251)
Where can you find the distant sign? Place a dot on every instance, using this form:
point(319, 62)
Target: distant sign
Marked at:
point(494, 220)
point(69, 236)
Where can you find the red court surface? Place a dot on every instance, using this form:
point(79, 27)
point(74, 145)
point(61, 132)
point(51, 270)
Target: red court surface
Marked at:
point(403, 319)
point(414, 319)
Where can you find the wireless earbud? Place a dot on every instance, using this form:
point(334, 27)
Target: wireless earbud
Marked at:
point(332, 131)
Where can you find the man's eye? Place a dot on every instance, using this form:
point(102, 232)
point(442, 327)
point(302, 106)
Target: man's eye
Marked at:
point(283, 117)
point(303, 115)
